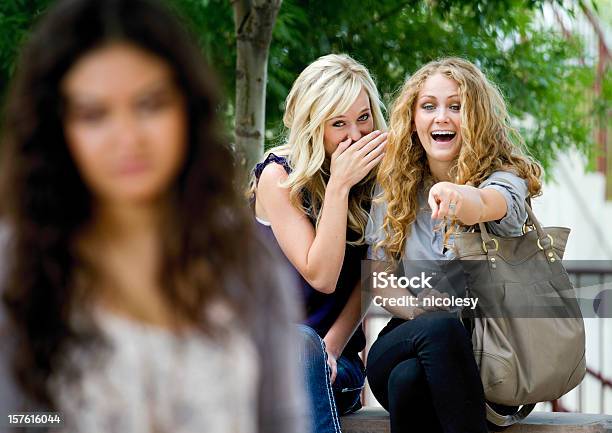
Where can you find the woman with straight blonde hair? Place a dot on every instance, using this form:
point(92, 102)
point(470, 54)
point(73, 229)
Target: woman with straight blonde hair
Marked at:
point(452, 161)
point(311, 199)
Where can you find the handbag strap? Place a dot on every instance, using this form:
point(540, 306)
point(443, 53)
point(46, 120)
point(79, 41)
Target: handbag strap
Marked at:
point(531, 218)
point(508, 420)
point(529, 221)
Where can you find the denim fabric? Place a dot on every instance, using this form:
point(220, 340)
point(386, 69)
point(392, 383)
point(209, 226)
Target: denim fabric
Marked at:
point(424, 373)
point(328, 401)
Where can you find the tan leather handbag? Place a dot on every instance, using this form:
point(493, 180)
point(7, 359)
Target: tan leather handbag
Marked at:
point(528, 332)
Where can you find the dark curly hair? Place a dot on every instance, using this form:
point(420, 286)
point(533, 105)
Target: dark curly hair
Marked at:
point(44, 202)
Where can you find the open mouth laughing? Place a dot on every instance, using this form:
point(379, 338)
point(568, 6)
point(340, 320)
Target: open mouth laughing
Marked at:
point(443, 136)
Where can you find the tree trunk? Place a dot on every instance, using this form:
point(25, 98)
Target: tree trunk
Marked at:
point(254, 22)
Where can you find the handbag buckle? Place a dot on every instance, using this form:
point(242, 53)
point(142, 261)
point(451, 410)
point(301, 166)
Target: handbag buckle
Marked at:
point(484, 245)
point(552, 242)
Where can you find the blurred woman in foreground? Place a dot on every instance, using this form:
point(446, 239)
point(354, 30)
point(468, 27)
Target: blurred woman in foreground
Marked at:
point(130, 300)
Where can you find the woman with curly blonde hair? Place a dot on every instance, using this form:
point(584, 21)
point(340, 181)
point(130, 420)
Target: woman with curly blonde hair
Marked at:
point(452, 161)
point(311, 199)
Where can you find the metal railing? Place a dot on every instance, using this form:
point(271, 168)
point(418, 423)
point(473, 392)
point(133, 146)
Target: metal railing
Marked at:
point(589, 274)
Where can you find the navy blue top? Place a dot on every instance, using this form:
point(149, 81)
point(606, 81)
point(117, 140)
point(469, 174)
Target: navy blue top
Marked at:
point(322, 309)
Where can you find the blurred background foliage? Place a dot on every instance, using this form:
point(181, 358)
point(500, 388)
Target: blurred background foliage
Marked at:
point(543, 73)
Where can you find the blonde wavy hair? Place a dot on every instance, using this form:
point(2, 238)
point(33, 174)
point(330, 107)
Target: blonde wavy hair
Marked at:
point(489, 144)
point(325, 89)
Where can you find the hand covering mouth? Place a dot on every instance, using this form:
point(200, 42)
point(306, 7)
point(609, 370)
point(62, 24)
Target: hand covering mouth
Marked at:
point(443, 136)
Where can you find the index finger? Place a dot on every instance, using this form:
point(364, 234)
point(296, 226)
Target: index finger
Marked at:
point(366, 139)
point(433, 204)
point(342, 146)
point(444, 206)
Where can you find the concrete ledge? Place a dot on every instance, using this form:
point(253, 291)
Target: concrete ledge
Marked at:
point(376, 420)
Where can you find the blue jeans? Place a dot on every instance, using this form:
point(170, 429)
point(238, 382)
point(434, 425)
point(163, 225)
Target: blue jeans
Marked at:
point(328, 401)
point(424, 373)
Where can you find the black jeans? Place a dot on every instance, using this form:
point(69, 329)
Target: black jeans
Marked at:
point(424, 373)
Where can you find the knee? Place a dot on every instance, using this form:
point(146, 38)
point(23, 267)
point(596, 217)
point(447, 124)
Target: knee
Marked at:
point(405, 379)
point(443, 328)
point(311, 344)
